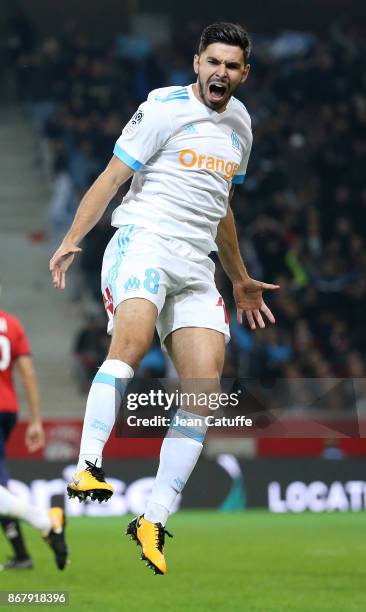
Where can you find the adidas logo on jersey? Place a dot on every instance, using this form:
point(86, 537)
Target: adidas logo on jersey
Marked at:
point(189, 159)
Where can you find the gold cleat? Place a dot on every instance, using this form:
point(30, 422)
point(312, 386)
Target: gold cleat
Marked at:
point(151, 537)
point(90, 483)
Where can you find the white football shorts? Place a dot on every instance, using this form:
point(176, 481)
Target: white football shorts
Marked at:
point(171, 273)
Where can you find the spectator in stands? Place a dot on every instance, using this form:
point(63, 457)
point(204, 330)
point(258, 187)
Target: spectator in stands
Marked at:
point(63, 200)
point(90, 348)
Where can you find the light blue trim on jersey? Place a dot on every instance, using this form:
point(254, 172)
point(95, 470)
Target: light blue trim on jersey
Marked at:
point(190, 432)
point(181, 90)
point(132, 163)
point(171, 99)
point(175, 94)
point(179, 94)
point(112, 381)
point(124, 240)
point(238, 179)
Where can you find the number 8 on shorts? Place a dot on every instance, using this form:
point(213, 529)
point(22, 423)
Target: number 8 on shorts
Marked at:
point(151, 282)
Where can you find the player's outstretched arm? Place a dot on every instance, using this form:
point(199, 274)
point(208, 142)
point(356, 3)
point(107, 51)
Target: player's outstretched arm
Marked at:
point(91, 209)
point(248, 293)
point(34, 435)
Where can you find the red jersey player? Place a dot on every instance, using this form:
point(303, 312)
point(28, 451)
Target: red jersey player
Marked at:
point(15, 352)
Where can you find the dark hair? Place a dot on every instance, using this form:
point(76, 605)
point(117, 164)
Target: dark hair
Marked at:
point(227, 33)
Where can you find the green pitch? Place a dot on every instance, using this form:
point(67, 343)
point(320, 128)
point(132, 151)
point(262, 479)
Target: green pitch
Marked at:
point(218, 562)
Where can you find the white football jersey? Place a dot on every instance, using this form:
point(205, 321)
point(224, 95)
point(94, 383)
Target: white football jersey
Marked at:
point(185, 156)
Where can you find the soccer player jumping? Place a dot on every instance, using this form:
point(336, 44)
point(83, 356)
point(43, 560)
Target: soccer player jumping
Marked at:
point(186, 148)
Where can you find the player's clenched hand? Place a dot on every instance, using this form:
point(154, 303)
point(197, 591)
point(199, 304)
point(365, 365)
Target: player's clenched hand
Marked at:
point(248, 295)
point(34, 436)
point(61, 261)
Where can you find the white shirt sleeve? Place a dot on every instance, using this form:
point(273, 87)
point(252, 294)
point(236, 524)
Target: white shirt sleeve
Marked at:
point(146, 133)
point(239, 176)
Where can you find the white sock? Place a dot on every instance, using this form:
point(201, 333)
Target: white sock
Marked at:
point(100, 413)
point(14, 506)
point(178, 455)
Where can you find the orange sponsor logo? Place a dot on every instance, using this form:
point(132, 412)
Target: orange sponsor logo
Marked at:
point(189, 159)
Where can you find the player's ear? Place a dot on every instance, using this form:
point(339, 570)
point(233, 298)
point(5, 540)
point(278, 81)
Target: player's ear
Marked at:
point(245, 73)
point(195, 63)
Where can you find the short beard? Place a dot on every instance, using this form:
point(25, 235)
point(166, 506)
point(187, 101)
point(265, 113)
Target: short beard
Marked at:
point(212, 106)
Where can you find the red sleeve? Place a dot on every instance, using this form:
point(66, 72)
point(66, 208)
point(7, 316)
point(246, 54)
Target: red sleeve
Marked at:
point(21, 344)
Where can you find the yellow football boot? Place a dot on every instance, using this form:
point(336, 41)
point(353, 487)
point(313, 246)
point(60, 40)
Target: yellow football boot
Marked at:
point(151, 537)
point(90, 483)
point(56, 536)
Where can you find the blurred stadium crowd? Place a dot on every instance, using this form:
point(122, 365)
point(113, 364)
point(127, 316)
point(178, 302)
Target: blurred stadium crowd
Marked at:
point(301, 213)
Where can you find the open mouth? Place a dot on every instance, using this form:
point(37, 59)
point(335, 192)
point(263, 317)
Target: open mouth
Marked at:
point(217, 91)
